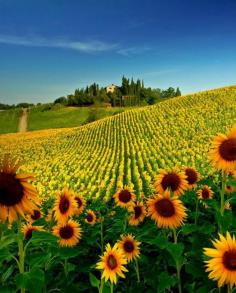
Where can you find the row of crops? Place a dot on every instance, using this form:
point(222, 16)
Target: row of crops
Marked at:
point(181, 238)
point(127, 149)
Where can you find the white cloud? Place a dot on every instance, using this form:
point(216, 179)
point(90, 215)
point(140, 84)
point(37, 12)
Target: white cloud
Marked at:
point(132, 51)
point(87, 47)
point(92, 46)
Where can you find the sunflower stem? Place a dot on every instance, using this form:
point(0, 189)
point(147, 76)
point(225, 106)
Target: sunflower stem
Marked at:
point(229, 289)
point(222, 193)
point(102, 237)
point(21, 253)
point(111, 287)
point(125, 221)
point(196, 212)
point(100, 289)
point(137, 270)
point(175, 236)
point(178, 266)
point(66, 267)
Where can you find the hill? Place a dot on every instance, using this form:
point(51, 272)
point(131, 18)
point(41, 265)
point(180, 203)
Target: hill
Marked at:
point(54, 116)
point(128, 148)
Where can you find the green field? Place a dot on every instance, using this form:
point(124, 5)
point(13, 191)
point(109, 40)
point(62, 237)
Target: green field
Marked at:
point(41, 117)
point(60, 117)
point(9, 121)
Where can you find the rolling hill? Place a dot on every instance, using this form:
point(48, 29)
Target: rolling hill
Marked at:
point(128, 148)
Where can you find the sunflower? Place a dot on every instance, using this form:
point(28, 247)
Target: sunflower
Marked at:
point(231, 173)
point(222, 265)
point(129, 247)
point(112, 263)
point(28, 229)
point(174, 180)
point(34, 215)
point(69, 233)
point(229, 189)
point(17, 195)
point(166, 211)
point(138, 213)
point(227, 206)
point(65, 205)
point(223, 151)
point(205, 192)
point(91, 217)
point(124, 197)
point(81, 203)
point(192, 176)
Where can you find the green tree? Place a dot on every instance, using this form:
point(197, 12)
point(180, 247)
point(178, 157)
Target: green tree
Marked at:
point(178, 92)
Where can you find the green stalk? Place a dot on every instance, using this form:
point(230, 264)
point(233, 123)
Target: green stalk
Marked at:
point(229, 289)
point(178, 266)
point(222, 193)
point(66, 267)
point(125, 221)
point(21, 253)
point(111, 287)
point(136, 266)
point(102, 237)
point(196, 212)
point(100, 289)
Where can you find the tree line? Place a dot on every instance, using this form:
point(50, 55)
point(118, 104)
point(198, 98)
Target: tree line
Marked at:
point(130, 93)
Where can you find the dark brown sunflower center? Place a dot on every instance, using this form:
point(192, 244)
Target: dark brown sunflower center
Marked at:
point(165, 207)
point(11, 190)
point(66, 232)
point(89, 218)
point(227, 149)
point(36, 215)
point(205, 193)
point(171, 180)
point(191, 176)
point(137, 212)
point(79, 201)
point(28, 234)
point(128, 246)
point(125, 196)
point(229, 260)
point(64, 205)
point(111, 262)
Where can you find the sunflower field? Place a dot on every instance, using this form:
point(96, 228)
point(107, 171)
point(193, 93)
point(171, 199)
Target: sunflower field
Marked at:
point(140, 202)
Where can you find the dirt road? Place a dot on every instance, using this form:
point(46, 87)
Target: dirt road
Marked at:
point(23, 121)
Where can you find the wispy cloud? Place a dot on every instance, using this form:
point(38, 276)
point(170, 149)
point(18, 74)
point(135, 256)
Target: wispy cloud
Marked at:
point(91, 46)
point(87, 47)
point(133, 51)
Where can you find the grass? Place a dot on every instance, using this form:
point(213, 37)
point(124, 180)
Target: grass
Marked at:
point(9, 121)
point(60, 117)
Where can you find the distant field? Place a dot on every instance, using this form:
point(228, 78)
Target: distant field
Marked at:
point(67, 116)
point(9, 121)
point(42, 117)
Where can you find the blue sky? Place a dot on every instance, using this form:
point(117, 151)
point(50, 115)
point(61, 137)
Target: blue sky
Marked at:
point(50, 47)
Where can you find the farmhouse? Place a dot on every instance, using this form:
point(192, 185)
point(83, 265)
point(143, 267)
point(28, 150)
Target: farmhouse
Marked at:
point(111, 88)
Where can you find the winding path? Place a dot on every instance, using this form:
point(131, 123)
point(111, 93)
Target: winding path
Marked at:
point(23, 121)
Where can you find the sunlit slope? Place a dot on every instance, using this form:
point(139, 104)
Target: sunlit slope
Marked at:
point(128, 148)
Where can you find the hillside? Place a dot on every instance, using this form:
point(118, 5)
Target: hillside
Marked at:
point(9, 120)
point(126, 148)
point(53, 116)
